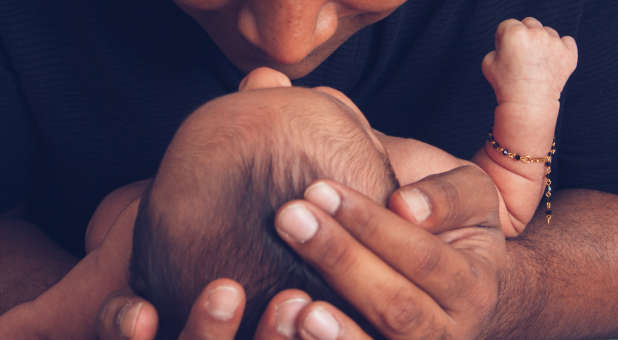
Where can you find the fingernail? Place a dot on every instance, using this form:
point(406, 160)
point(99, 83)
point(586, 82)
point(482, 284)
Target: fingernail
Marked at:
point(418, 204)
point(321, 325)
point(221, 302)
point(297, 222)
point(127, 318)
point(286, 314)
point(324, 196)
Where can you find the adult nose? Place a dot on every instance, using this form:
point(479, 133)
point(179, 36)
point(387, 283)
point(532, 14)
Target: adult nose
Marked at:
point(288, 30)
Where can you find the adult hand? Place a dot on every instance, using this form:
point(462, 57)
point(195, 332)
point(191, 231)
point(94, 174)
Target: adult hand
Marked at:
point(216, 314)
point(123, 315)
point(408, 282)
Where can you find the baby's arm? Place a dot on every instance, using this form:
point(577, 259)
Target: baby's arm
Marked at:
point(528, 71)
point(413, 160)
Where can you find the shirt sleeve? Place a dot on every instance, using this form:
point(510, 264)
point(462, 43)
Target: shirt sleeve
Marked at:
point(16, 140)
point(588, 132)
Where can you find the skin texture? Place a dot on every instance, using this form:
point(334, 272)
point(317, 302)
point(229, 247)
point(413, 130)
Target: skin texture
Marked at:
point(528, 71)
point(470, 238)
point(293, 37)
point(536, 295)
point(590, 228)
point(59, 310)
point(460, 238)
point(35, 270)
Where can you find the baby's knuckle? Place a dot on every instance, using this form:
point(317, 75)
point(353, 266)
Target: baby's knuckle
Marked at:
point(516, 32)
point(504, 25)
point(488, 60)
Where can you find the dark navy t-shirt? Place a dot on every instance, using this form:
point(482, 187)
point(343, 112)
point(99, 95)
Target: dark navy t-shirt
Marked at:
point(91, 91)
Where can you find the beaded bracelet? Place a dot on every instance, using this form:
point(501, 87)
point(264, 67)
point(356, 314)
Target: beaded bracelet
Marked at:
point(528, 160)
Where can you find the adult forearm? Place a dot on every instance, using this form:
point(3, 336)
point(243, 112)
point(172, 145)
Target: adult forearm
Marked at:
point(562, 279)
point(30, 263)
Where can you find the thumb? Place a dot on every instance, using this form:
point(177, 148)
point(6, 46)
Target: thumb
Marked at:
point(465, 196)
point(126, 316)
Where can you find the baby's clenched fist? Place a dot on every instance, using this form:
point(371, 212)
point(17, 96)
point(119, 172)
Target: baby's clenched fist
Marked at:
point(531, 63)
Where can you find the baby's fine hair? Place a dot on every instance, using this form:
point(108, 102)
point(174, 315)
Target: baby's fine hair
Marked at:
point(233, 236)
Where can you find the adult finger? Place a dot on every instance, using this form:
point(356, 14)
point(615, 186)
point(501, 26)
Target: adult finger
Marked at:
point(420, 256)
point(323, 321)
point(278, 322)
point(387, 298)
point(217, 312)
point(465, 196)
point(291, 315)
point(125, 316)
point(262, 78)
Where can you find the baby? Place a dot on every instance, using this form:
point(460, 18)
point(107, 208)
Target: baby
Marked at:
point(209, 211)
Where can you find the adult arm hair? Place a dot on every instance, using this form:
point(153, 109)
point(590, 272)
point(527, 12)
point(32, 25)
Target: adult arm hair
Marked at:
point(561, 281)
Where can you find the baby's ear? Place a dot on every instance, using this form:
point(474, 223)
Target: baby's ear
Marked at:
point(264, 78)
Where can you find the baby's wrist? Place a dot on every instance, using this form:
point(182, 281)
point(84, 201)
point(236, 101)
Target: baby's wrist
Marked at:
point(535, 106)
point(517, 118)
point(527, 95)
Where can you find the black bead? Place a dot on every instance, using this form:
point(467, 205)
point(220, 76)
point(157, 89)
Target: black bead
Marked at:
point(496, 145)
point(547, 212)
point(547, 163)
point(549, 153)
point(505, 152)
point(517, 157)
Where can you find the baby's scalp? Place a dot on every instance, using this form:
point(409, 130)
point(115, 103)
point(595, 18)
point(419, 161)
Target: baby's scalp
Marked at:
point(210, 211)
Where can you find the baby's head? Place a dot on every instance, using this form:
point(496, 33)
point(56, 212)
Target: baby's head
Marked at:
point(209, 212)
